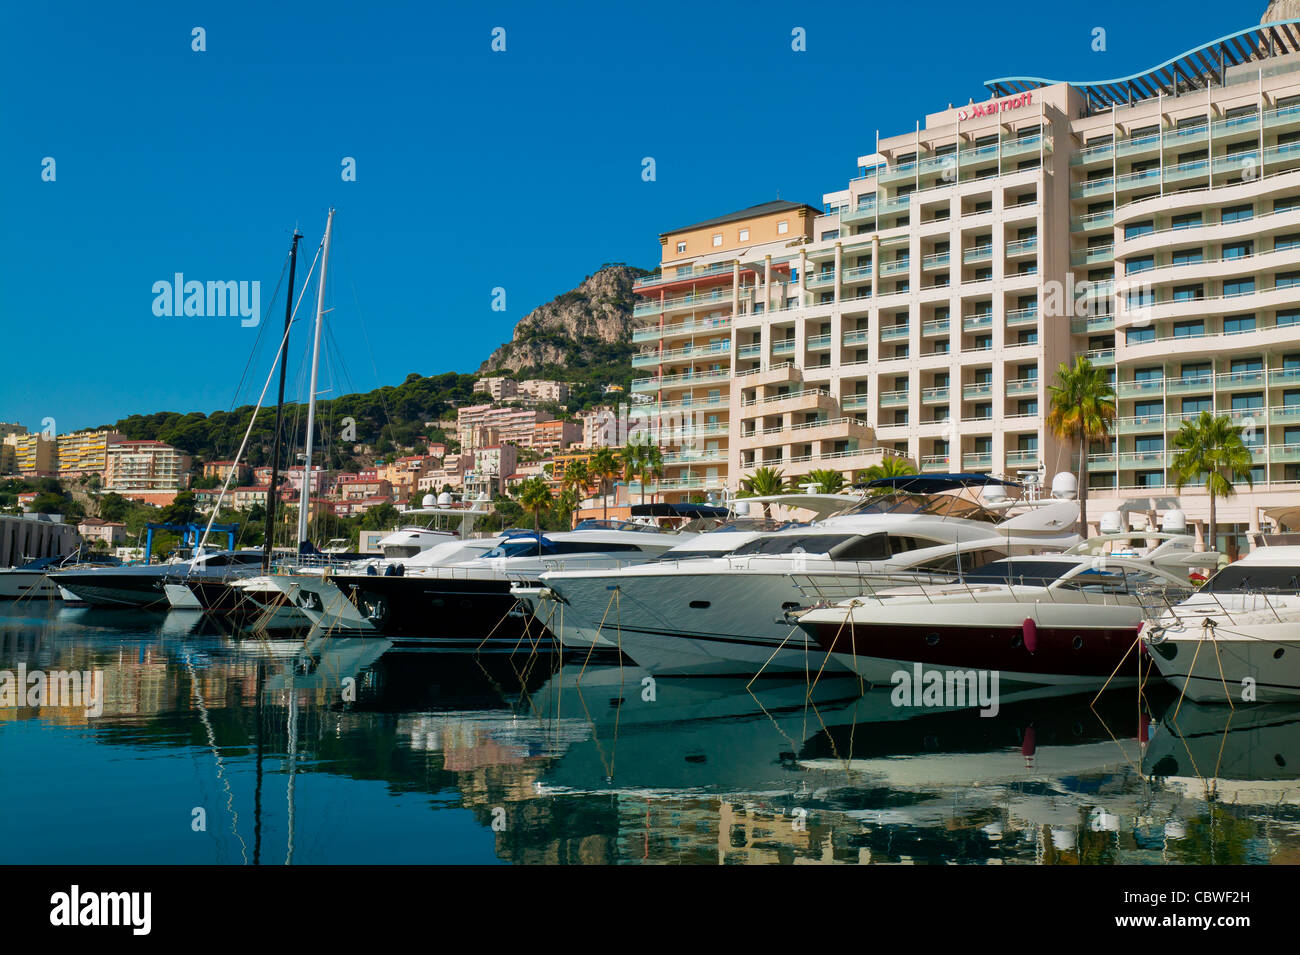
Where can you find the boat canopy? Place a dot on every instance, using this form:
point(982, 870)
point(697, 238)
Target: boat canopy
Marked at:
point(935, 483)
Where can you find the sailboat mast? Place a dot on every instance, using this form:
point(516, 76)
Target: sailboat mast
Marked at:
point(279, 408)
point(304, 497)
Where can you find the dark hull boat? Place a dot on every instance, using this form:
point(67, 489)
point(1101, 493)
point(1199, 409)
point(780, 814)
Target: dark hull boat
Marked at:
point(453, 612)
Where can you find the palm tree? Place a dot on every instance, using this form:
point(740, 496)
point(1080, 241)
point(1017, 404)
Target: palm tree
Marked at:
point(1082, 411)
point(828, 480)
point(633, 454)
point(604, 467)
point(652, 466)
point(1211, 448)
point(891, 466)
point(764, 482)
point(535, 496)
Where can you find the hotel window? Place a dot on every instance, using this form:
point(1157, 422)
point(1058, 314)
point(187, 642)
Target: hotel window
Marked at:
point(1238, 287)
point(986, 206)
point(1290, 316)
point(1238, 250)
point(1028, 164)
point(1148, 409)
point(1188, 220)
point(900, 416)
point(830, 234)
point(1238, 213)
point(1154, 373)
point(1028, 336)
point(983, 445)
point(1187, 257)
point(983, 342)
point(1191, 407)
point(902, 286)
point(1234, 324)
point(717, 240)
point(1241, 365)
point(1288, 279)
point(1148, 479)
point(744, 235)
point(1028, 406)
point(1189, 293)
point(782, 227)
point(1135, 229)
point(984, 410)
point(983, 274)
point(1027, 268)
point(681, 246)
point(941, 347)
point(1286, 204)
point(1284, 242)
point(1190, 329)
point(1142, 263)
point(1136, 336)
point(1149, 444)
point(1196, 371)
point(1027, 442)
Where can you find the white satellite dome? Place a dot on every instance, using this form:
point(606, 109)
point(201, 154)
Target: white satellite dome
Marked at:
point(1174, 521)
point(993, 493)
point(444, 499)
point(1065, 486)
point(1112, 522)
point(741, 508)
point(428, 500)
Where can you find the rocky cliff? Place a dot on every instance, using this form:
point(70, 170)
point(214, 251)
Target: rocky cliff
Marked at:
point(1281, 10)
point(593, 319)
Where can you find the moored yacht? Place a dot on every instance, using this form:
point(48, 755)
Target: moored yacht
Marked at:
point(142, 585)
point(1065, 619)
point(728, 615)
point(459, 603)
point(1237, 639)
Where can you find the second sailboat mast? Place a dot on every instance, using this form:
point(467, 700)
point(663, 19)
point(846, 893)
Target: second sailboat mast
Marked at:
point(304, 497)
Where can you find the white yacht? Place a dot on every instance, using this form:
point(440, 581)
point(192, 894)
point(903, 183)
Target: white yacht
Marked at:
point(1237, 639)
point(1065, 619)
point(729, 615)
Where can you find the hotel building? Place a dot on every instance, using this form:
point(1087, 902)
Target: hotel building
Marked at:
point(1151, 223)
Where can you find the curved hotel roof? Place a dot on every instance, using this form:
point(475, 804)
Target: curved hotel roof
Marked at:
point(1196, 69)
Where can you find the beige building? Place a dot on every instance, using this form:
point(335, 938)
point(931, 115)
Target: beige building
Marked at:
point(138, 466)
point(529, 392)
point(484, 425)
point(34, 454)
point(1153, 225)
point(94, 529)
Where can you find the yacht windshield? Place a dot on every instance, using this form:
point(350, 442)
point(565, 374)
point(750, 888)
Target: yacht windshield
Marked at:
point(1244, 578)
point(1035, 573)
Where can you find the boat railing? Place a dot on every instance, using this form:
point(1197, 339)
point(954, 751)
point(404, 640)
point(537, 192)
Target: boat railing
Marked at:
point(1168, 613)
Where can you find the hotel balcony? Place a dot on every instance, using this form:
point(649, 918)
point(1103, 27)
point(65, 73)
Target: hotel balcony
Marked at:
point(782, 373)
point(655, 332)
point(715, 349)
point(936, 326)
point(1023, 316)
point(896, 332)
point(1022, 386)
point(931, 463)
point(683, 274)
point(682, 380)
point(1022, 459)
point(977, 460)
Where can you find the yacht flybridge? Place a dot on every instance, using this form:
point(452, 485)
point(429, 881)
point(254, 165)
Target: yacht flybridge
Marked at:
point(728, 614)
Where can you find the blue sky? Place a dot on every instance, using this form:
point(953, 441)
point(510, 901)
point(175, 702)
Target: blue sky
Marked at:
point(475, 169)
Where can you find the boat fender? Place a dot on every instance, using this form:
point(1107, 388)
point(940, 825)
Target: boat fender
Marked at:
point(1029, 743)
point(1030, 630)
point(1144, 729)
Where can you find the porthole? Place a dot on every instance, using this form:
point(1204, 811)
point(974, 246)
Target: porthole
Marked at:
point(1017, 641)
point(932, 639)
point(1078, 642)
point(1277, 654)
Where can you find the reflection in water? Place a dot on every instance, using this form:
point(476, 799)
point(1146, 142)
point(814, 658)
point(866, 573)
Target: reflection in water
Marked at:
point(221, 747)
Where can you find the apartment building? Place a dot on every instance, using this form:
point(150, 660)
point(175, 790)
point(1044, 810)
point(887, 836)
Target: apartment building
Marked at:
point(531, 391)
point(483, 425)
point(144, 470)
point(1152, 224)
point(85, 452)
point(34, 455)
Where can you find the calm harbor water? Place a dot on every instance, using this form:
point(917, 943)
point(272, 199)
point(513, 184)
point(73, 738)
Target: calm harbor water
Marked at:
point(220, 748)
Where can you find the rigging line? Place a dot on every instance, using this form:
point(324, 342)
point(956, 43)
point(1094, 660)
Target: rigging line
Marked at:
point(261, 330)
